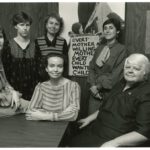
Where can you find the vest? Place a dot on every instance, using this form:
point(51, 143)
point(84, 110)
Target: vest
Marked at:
point(45, 49)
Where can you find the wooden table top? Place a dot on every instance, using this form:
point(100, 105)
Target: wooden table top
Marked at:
point(16, 131)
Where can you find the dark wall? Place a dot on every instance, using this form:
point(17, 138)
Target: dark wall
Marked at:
point(37, 11)
point(84, 12)
point(136, 26)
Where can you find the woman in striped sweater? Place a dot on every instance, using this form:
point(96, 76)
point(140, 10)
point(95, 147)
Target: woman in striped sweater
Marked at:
point(51, 42)
point(56, 99)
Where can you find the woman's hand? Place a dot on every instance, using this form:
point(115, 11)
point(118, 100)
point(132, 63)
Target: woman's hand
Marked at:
point(15, 99)
point(84, 122)
point(109, 144)
point(38, 115)
point(95, 92)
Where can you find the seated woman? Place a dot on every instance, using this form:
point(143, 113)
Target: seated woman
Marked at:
point(10, 100)
point(124, 117)
point(56, 99)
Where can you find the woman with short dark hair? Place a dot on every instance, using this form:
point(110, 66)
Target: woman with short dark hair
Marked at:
point(57, 99)
point(11, 102)
point(19, 57)
point(106, 67)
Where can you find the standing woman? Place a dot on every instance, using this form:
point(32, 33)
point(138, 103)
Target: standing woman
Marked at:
point(19, 57)
point(106, 67)
point(51, 42)
point(11, 102)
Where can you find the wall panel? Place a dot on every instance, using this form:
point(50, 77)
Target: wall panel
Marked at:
point(38, 11)
point(136, 26)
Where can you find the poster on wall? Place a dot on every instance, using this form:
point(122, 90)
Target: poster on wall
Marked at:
point(81, 51)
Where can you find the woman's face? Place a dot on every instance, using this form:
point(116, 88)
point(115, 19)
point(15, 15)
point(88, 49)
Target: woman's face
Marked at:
point(134, 70)
point(110, 32)
point(23, 29)
point(55, 67)
point(1, 41)
point(52, 26)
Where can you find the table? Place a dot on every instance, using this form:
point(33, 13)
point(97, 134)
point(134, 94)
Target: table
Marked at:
point(16, 131)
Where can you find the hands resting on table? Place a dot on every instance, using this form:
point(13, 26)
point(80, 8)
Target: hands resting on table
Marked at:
point(35, 114)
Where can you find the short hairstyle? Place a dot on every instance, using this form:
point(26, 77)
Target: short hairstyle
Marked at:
point(75, 27)
point(140, 57)
point(113, 21)
point(21, 17)
point(52, 54)
point(58, 18)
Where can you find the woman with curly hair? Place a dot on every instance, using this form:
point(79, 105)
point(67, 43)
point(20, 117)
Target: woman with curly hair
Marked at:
point(51, 42)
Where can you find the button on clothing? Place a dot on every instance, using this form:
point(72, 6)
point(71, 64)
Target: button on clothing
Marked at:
point(121, 112)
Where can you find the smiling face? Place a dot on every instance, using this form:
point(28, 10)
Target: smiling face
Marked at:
point(110, 32)
point(23, 29)
point(134, 70)
point(55, 67)
point(53, 26)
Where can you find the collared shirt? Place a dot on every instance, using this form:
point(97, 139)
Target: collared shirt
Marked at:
point(124, 111)
point(110, 73)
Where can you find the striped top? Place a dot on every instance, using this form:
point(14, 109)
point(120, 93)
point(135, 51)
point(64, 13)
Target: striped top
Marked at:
point(61, 101)
point(58, 45)
point(43, 47)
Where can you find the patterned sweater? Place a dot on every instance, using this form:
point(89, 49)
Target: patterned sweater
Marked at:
point(58, 45)
point(43, 47)
point(62, 101)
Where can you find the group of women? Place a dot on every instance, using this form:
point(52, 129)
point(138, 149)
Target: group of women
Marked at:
point(25, 61)
point(37, 71)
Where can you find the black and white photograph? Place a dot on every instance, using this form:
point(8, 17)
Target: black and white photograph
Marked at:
point(74, 74)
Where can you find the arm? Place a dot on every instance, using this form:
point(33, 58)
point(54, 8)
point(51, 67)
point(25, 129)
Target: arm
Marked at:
point(36, 100)
point(92, 72)
point(15, 96)
point(7, 60)
point(84, 122)
point(140, 134)
point(71, 112)
point(129, 139)
point(35, 112)
point(109, 79)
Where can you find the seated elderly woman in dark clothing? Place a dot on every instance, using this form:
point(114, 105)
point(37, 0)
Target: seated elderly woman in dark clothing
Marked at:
point(124, 117)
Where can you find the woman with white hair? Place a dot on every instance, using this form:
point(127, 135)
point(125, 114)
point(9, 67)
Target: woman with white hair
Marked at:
point(124, 117)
